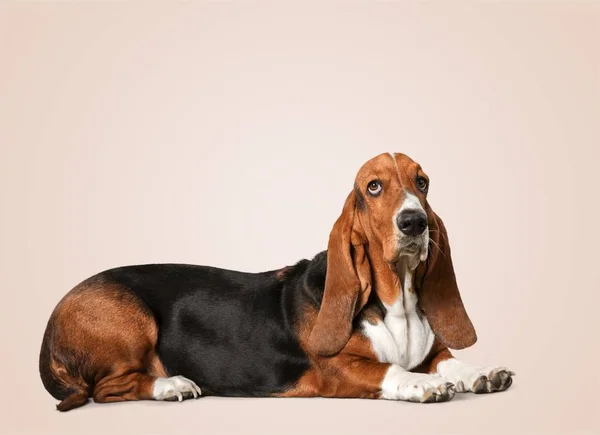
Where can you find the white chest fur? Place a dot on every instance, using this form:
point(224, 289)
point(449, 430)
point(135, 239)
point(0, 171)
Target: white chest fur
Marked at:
point(403, 337)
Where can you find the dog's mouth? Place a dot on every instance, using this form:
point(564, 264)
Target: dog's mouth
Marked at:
point(413, 248)
point(410, 247)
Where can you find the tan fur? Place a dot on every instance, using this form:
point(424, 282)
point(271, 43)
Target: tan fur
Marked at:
point(111, 349)
point(353, 372)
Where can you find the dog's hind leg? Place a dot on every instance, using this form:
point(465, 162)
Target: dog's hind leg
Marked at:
point(100, 342)
point(126, 385)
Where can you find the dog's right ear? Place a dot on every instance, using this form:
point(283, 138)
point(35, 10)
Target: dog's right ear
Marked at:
point(347, 283)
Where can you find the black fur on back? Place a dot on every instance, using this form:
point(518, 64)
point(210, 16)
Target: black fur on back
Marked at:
point(231, 332)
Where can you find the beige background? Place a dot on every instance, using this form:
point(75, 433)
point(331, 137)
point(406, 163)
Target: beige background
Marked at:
point(229, 134)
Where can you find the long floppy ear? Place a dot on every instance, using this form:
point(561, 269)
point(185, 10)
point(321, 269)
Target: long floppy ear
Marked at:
point(347, 283)
point(438, 292)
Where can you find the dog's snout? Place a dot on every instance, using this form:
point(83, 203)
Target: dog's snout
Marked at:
point(412, 222)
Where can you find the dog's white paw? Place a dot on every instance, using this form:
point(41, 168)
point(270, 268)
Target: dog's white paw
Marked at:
point(399, 384)
point(475, 379)
point(175, 388)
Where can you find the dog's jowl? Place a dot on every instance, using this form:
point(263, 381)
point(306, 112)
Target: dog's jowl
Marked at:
point(374, 316)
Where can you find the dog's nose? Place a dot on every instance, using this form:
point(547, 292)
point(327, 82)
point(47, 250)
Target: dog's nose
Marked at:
point(412, 222)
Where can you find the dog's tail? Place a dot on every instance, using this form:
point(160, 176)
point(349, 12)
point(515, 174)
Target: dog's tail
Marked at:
point(58, 378)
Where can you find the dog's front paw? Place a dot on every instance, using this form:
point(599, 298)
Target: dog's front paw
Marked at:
point(475, 379)
point(399, 384)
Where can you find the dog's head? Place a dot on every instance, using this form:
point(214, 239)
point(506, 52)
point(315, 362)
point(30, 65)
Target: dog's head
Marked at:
point(387, 222)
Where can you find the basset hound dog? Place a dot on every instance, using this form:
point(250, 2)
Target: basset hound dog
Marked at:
point(372, 317)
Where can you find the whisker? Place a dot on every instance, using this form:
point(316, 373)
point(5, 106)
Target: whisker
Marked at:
point(437, 246)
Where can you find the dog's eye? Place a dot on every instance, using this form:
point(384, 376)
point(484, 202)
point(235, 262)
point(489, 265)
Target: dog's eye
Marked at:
point(422, 184)
point(374, 187)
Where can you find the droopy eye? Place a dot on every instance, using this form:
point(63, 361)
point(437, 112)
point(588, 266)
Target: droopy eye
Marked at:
point(374, 187)
point(422, 184)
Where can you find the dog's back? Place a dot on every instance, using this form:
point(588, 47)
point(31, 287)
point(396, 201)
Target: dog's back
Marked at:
point(227, 330)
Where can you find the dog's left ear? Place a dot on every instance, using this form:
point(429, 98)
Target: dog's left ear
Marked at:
point(439, 297)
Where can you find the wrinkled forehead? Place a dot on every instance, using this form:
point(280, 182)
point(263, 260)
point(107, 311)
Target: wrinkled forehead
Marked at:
point(396, 167)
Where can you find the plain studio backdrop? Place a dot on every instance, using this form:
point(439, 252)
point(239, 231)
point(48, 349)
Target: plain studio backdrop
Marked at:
point(229, 134)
